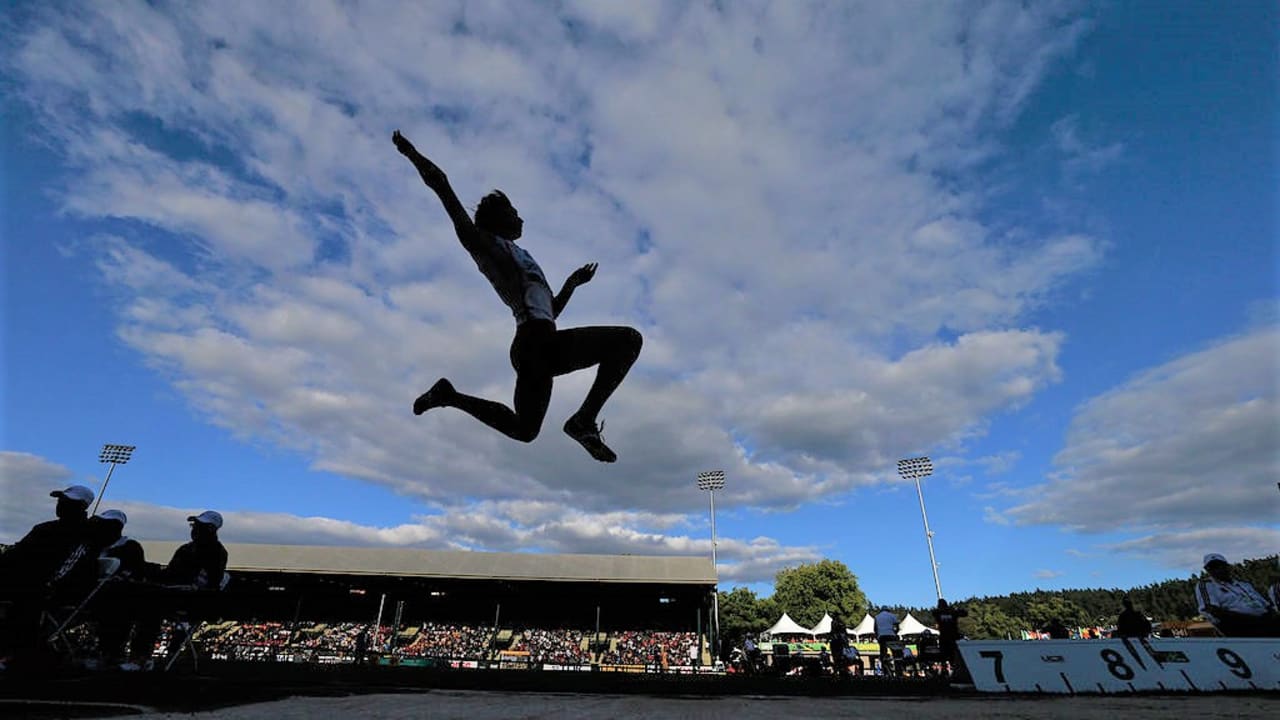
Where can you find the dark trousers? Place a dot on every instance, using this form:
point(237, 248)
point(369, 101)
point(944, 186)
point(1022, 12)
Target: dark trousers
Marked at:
point(886, 654)
point(1245, 626)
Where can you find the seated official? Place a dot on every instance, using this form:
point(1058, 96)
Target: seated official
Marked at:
point(51, 565)
point(133, 559)
point(46, 554)
point(1235, 607)
point(115, 620)
point(202, 562)
point(194, 572)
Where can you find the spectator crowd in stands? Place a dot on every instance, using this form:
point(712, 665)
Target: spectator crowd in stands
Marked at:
point(651, 648)
point(465, 642)
point(558, 647)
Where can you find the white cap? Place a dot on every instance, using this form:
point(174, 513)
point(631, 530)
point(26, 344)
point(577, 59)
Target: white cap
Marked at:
point(1211, 557)
point(79, 493)
point(208, 517)
point(117, 515)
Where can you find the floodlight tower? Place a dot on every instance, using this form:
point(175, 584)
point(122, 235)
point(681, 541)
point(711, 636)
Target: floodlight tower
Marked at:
point(116, 455)
point(711, 481)
point(914, 469)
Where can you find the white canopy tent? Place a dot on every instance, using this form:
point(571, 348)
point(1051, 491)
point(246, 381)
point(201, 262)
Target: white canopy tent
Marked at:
point(912, 626)
point(866, 627)
point(823, 627)
point(787, 626)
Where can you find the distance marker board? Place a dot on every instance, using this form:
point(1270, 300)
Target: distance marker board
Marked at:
point(1123, 665)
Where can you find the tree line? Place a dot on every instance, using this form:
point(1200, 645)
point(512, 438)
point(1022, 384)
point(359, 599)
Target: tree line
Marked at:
point(808, 591)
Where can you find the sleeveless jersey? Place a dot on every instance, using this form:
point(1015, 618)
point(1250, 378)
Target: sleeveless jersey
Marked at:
point(517, 279)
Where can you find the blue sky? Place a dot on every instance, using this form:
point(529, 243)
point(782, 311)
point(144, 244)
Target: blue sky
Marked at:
point(1039, 245)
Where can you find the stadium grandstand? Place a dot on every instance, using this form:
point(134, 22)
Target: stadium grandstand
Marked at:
point(465, 608)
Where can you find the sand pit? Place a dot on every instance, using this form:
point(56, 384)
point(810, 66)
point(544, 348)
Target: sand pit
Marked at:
point(473, 705)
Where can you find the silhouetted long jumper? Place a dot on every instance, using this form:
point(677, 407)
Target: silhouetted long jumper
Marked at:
point(540, 351)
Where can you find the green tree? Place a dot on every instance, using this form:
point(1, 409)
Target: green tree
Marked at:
point(986, 621)
point(741, 613)
point(1045, 607)
point(808, 591)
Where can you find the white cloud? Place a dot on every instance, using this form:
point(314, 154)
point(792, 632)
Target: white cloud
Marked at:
point(1082, 157)
point(1186, 548)
point(508, 526)
point(25, 483)
point(993, 516)
point(1188, 445)
point(761, 184)
point(1044, 574)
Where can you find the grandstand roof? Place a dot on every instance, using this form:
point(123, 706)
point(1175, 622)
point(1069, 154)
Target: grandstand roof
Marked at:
point(457, 564)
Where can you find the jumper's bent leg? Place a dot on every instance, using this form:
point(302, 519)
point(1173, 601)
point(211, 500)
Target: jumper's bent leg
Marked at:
point(532, 396)
point(613, 348)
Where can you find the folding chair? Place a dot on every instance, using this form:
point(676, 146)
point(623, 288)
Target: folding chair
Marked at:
point(107, 568)
point(188, 631)
point(895, 658)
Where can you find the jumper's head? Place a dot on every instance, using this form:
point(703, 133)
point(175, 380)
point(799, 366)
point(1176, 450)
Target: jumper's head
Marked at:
point(495, 214)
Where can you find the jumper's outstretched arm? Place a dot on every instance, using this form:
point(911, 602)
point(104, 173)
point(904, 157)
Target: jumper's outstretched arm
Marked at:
point(435, 179)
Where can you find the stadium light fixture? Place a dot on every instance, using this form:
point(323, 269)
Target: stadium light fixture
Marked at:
point(914, 469)
point(710, 482)
point(116, 455)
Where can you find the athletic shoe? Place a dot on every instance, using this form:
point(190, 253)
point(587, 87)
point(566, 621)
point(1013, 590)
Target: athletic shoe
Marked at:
point(435, 397)
point(588, 436)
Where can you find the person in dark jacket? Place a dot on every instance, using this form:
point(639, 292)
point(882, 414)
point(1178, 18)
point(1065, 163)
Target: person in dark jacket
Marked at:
point(133, 559)
point(1131, 623)
point(51, 549)
point(117, 600)
point(43, 568)
point(202, 562)
point(948, 618)
point(1056, 630)
point(839, 643)
point(197, 566)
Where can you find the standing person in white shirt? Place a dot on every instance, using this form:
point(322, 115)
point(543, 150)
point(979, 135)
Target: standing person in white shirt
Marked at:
point(539, 351)
point(886, 632)
point(1235, 607)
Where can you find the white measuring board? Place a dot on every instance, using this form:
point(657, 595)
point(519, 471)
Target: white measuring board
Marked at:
point(1123, 666)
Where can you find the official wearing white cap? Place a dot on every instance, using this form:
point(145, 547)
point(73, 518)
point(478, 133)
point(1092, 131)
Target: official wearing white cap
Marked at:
point(41, 563)
point(208, 517)
point(125, 549)
point(202, 562)
point(75, 493)
point(1235, 607)
point(36, 559)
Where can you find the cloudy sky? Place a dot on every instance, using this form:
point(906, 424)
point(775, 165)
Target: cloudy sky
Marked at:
point(1038, 244)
